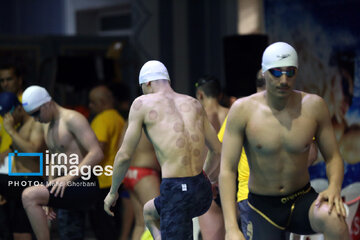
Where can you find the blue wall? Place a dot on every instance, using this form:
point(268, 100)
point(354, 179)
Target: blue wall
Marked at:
point(32, 17)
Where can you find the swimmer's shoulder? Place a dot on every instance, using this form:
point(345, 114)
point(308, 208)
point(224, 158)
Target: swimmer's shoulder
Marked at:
point(310, 98)
point(248, 103)
point(72, 117)
point(146, 101)
point(188, 99)
point(314, 104)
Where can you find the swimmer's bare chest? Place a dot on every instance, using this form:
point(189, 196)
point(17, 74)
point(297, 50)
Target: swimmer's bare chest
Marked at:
point(58, 138)
point(290, 132)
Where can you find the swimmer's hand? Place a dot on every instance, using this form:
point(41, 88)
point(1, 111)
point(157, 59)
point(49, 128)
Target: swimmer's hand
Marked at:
point(333, 197)
point(51, 215)
point(9, 124)
point(234, 234)
point(58, 185)
point(110, 201)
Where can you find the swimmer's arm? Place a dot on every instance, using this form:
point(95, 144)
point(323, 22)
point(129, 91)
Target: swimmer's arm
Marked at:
point(127, 149)
point(230, 155)
point(80, 128)
point(35, 143)
point(326, 140)
point(313, 153)
point(123, 134)
point(212, 161)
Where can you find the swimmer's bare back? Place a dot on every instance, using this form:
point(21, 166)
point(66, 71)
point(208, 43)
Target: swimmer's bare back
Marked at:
point(174, 123)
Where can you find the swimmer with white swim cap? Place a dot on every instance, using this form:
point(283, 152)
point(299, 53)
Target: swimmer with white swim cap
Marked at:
point(34, 97)
point(153, 70)
point(66, 132)
point(178, 128)
point(278, 126)
point(278, 55)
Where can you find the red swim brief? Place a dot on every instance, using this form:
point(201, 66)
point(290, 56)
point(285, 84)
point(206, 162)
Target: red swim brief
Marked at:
point(135, 174)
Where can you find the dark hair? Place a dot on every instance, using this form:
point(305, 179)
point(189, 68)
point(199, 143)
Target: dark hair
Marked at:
point(209, 85)
point(260, 81)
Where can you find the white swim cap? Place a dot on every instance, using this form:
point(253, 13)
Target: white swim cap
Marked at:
point(33, 97)
point(153, 70)
point(279, 54)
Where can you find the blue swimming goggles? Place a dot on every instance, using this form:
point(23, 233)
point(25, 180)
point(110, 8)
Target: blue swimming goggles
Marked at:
point(277, 72)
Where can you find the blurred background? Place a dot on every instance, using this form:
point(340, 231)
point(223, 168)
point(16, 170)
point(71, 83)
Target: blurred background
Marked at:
point(68, 46)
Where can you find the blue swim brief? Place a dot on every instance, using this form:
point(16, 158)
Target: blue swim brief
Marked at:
point(180, 200)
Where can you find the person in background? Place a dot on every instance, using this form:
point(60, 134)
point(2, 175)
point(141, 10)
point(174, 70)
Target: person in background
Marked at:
point(107, 126)
point(207, 92)
point(121, 93)
point(142, 181)
point(27, 137)
point(11, 80)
